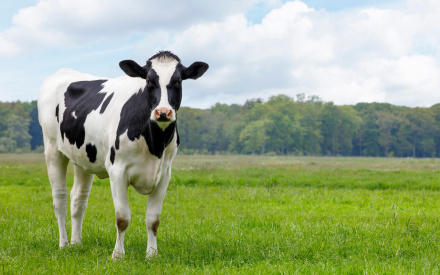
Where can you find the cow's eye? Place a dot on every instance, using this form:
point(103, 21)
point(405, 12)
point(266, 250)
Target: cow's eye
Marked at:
point(149, 82)
point(178, 82)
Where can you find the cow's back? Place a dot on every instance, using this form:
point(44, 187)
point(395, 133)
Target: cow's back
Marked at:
point(51, 95)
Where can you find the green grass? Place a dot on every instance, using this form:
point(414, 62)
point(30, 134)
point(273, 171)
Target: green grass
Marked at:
point(248, 215)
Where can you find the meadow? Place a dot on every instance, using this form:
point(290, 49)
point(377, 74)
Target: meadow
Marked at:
point(238, 214)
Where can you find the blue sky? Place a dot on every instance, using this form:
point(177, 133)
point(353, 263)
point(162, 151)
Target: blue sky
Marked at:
point(343, 51)
point(257, 12)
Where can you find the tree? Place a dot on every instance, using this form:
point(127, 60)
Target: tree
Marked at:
point(347, 129)
point(310, 123)
point(285, 132)
point(421, 124)
point(339, 126)
point(18, 130)
point(233, 131)
point(254, 136)
point(214, 137)
point(357, 140)
point(189, 123)
point(7, 145)
point(370, 132)
point(330, 120)
point(35, 129)
point(367, 138)
point(5, 112)
point(401, 141)
point(386, 121)
point(17, 135)
point(436, 112)
point(251, 103)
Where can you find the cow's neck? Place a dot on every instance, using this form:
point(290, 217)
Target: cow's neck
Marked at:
point(158, 139)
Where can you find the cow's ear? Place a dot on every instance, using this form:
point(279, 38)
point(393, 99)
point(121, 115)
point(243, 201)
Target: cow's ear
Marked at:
point(132, 69)
point(196, 70)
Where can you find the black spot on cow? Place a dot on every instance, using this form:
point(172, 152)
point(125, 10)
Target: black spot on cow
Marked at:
point(153, 90)
point(174, 90)
point(80, 99)
point(112, 155)
point(91, 152)
point(57, 111)
point(135, 120)
point(178, 139)
point(105, 104)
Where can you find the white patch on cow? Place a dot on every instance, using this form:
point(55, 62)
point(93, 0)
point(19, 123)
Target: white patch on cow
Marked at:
point(164, 68)
point(74, 116)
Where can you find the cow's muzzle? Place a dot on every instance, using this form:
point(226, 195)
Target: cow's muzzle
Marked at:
point(163, 114)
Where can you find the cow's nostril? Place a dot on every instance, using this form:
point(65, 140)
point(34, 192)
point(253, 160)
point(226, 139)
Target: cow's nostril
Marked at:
point(169, 114)
point(156, 113)
point(163, 114)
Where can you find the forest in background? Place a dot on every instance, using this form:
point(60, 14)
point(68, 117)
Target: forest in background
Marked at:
point(282, 125)
point(20, 130)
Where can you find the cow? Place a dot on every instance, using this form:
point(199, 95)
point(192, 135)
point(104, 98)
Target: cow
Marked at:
point(124, 129)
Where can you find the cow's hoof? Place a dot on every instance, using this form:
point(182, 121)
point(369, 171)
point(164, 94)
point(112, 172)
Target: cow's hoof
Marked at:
point(151, 253)
point(72, 243)
point(64, 244)
point(117, 256)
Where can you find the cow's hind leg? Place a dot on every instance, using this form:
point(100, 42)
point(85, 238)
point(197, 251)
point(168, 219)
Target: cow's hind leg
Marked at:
point(56, 168)
point(78, 201)
point(154, 207)
point(122, 213)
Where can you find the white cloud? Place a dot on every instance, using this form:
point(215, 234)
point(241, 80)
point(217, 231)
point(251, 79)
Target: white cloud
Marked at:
point(384, 55)
point(348, 57)
point(65, 23)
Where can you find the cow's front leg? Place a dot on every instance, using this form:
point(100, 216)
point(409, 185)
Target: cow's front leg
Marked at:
point(122, 213)
point(154, 207)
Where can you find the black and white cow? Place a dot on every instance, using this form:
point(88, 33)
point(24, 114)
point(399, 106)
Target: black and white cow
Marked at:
point(123, 129)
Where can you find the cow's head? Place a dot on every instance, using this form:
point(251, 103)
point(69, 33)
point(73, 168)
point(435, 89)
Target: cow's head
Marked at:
point(164, 75)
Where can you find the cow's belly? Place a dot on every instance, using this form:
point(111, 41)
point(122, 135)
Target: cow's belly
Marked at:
point(80, 158)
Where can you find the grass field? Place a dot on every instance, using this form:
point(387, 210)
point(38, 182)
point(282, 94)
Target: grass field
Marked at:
point(238, 214)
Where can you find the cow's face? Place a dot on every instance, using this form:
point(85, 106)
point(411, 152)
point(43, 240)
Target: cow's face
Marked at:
point(164, 75)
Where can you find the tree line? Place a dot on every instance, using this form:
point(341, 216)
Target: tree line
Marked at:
point(309, 126)
point(282, 125)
